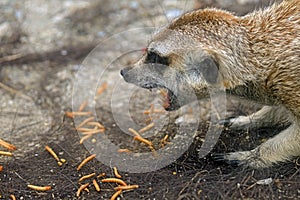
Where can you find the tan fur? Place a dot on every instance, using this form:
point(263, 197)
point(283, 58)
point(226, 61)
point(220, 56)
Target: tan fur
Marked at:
point(258, 58)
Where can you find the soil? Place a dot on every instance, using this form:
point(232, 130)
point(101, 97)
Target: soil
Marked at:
point(55, 54)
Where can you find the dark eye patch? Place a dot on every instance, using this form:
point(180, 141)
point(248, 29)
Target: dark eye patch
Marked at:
point(153, 57)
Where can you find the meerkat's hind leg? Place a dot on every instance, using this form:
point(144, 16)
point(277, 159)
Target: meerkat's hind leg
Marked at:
point(266, 116)
point(280, 148)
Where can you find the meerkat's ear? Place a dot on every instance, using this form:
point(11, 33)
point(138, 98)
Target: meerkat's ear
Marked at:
point(203, 66)
point(202, 63)
point(209, 69)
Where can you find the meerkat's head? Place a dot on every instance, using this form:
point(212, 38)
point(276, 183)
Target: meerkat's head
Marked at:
point(180, 60)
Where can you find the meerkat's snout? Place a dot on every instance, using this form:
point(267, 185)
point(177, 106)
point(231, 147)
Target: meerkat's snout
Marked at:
point(151, 76)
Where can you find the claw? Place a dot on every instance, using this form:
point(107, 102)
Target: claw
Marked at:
point(225, 122)
point(221, 157)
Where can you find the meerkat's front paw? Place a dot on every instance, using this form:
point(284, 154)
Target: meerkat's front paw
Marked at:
point(265, 117)
point(237, 123)
point(245, 158)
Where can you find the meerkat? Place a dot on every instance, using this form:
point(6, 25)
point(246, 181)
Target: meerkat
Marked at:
point(256, 57)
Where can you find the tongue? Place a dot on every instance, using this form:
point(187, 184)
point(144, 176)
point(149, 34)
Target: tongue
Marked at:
point(166, 104)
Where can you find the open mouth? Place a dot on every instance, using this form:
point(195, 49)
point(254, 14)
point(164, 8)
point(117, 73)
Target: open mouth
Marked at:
point(169, 99)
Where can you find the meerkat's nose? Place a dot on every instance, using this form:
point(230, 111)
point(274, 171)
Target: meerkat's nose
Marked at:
point(124, 71)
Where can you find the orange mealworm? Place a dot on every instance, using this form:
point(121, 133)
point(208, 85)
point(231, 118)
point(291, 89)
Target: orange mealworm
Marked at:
point(39, 188)
point(151, 108)
point(164, 141)
point(93, 132)
point(96, 124)
point(117, 173)
point(166, 137)
point(86, 177)
point(150, 111)
point(13, 197)
point(85, 121)
point(5, 153)
point(101, 88)
point(159, 111)
point(127, 187)
point(134, 132)
point(124, 151)
point(147, 112)
point(85, 161)
point(72, 114)
point(101, 175)
point(84, 138)
point(143, 140)
point(86, 129)
point(147, 142)
point(153, 150)
point(82, 106)
point(69, 114)
point(52, 153)
point(149, 119)
point(146, 128)
point(7, 145)
point(81, 113)
point(115, 195)
point(82, 187)
point(113, 180)
point(96, 185)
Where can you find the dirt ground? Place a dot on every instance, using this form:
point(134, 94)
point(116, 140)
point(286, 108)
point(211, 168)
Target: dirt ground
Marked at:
point(45, 47)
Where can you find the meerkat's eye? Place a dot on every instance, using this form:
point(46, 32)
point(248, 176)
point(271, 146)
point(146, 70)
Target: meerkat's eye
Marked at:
point(153, 57)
